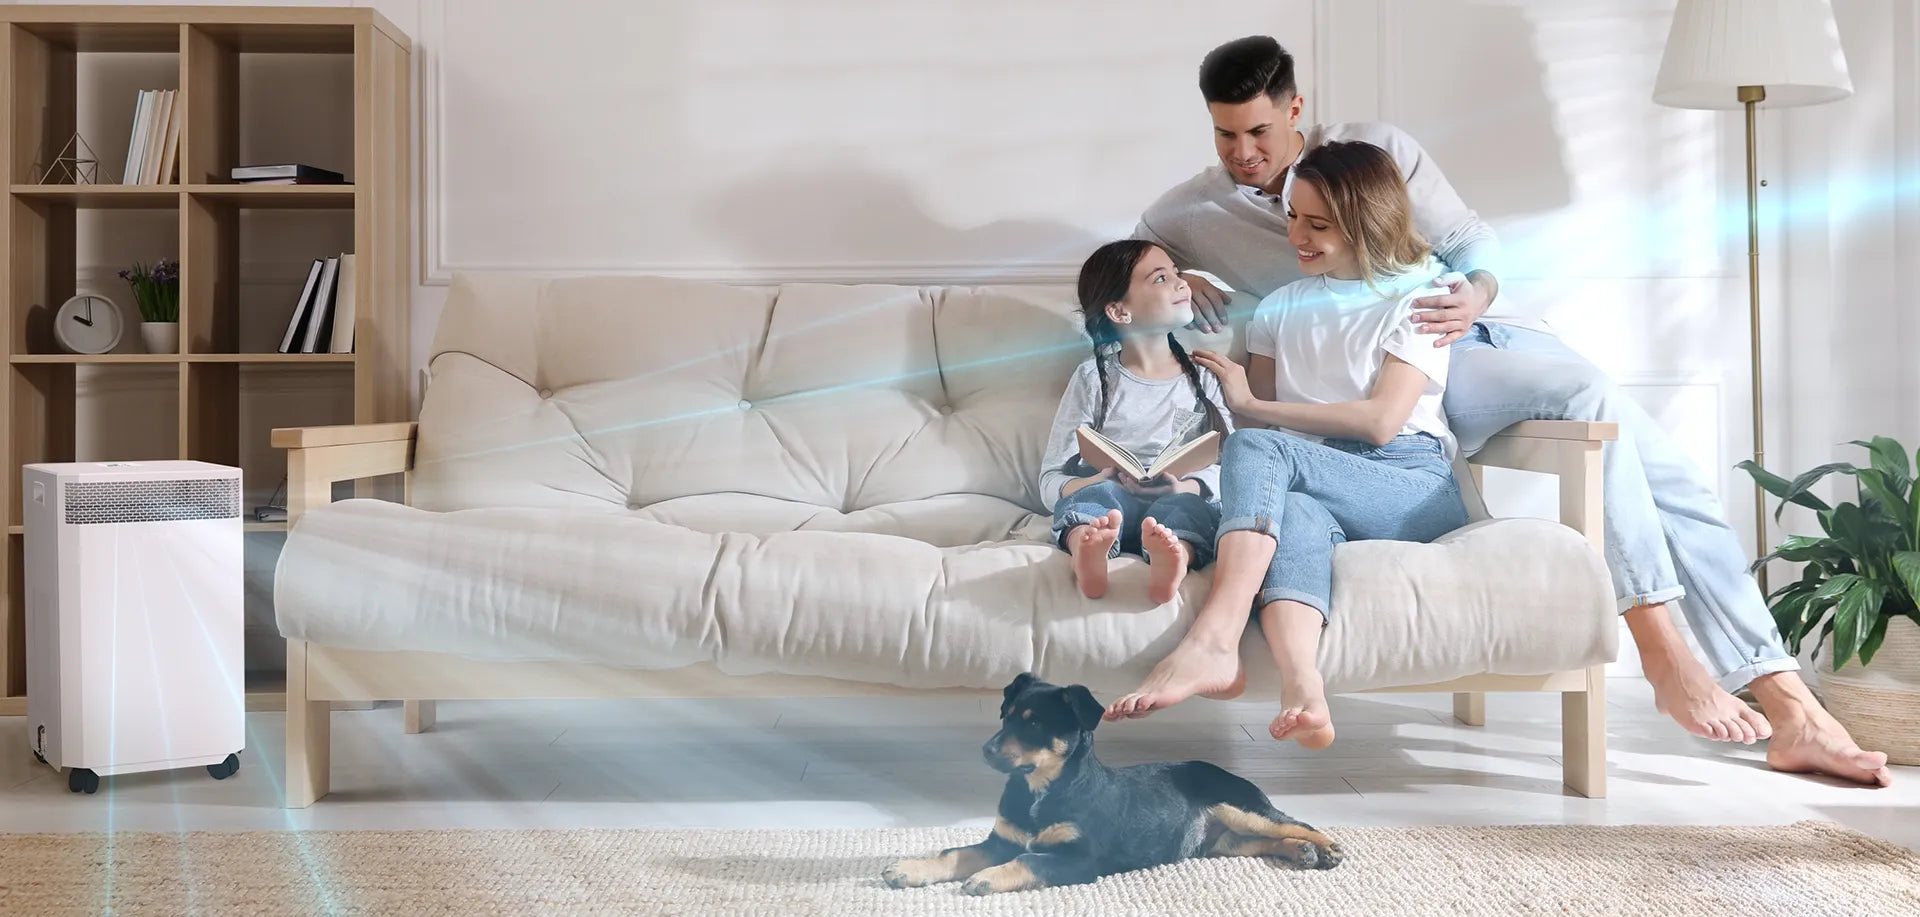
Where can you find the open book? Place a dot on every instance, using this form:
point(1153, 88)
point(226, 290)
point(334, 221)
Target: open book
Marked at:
point(1177, 461)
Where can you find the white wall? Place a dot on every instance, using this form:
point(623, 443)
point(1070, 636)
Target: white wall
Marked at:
point(954, 141)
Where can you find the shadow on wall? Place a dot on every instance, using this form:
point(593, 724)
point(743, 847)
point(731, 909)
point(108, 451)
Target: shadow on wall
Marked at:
point(810, 218)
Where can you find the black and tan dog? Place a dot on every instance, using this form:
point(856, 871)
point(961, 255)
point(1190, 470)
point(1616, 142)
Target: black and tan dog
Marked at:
point(1065, 818)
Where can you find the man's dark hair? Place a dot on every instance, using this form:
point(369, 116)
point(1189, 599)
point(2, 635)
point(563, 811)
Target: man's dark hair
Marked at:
point(1243, 68)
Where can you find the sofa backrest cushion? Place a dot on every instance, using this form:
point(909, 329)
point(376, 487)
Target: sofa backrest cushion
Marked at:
point(615, 393)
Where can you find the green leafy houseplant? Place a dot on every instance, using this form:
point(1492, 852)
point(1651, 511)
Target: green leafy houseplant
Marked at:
point(156, 289)
point(1865, 569)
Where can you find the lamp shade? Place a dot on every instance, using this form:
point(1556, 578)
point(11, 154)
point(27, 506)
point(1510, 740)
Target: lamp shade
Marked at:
point(1790, 47)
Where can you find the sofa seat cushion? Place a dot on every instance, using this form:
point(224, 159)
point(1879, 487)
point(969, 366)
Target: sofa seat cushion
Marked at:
point(540, 584)
point(947, 521)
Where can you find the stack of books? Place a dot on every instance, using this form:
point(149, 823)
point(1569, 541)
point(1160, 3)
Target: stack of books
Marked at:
point(323, 318)
point(154, 151)
point(291, 173)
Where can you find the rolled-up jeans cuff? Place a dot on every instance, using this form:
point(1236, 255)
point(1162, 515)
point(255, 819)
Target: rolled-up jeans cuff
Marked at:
point(1068, 520)
point(1738, 678)
point(1261, 524)
point(1284, 594)
point(1628, 603)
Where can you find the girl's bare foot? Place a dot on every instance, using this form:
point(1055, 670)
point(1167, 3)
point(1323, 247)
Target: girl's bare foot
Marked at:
point(1194, 667)
point(1304, 717)
point(1168, 556)
point(1090, 544)
point(1808, 740)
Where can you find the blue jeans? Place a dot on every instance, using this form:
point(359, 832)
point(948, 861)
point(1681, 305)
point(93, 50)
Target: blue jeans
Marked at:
point(1311, 496)
point(1192, 518)
point(1666, 537)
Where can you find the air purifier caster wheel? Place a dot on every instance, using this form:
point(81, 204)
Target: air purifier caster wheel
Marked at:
point(226, 768)
point(82, 780)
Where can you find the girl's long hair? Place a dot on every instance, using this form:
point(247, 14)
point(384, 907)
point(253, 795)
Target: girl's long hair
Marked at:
point(1362, 186)
point(1105, 279)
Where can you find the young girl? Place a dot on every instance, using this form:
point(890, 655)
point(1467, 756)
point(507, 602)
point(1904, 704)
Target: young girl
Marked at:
point(1142, 391)
point(1361, 449)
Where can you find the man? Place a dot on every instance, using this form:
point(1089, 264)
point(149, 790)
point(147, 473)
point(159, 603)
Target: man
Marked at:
point(1665, 536)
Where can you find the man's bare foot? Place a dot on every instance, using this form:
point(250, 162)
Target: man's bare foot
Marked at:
point(1304, 717)
point(1808, 740)
point(1194, 667)
point(1090, 545)
point(1168, 555)
point(1682, 689)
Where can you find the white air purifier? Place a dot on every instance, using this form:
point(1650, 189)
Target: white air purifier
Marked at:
point(134, 617)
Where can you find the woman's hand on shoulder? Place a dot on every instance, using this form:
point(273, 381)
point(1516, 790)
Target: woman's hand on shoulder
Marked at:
point(1233, 378)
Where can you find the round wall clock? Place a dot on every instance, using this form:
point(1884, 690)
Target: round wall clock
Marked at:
point(88, 323)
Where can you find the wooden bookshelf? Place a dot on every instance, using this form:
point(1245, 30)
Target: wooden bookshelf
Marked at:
point(39, 108)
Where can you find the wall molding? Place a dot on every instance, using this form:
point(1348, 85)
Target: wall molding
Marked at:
point(436, 267)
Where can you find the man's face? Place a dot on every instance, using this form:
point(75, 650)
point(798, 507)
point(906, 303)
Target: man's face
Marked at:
point(1254, 138)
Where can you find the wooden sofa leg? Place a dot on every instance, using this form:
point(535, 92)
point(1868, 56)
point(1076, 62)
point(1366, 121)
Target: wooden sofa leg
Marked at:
point(418, 715)
point(1470, 707)
point(1583, 736)
point(309, 734)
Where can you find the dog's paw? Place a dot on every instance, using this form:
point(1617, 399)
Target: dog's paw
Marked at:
point(1330, 856)
point(915, 873)
point(1006, 877)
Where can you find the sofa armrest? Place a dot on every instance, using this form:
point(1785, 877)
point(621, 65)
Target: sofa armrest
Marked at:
point(1570, 449)
point(319, 456)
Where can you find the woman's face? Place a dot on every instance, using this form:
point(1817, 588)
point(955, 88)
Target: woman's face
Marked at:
point(1157, 300)
point(1310, 227)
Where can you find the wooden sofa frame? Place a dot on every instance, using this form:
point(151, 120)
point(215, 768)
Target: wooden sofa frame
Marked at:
point(319, 676)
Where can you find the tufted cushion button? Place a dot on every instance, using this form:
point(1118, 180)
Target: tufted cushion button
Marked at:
point(546, 393)
point(634, 504)
point(745, 404)
point(946, 410)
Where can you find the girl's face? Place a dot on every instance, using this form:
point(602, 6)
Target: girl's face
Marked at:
point(1310, 227)
point(1158, 299)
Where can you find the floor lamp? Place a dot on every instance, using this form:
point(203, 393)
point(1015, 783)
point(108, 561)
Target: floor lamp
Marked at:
point(1731, 54)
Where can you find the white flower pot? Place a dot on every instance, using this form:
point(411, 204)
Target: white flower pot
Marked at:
point(1879, 704)
point(161, 337)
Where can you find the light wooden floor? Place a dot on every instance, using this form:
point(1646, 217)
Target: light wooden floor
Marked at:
point(844, 763)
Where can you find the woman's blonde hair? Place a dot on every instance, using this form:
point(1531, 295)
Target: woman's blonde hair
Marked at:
point(1363, 188)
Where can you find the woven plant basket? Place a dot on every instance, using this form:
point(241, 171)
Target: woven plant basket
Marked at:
point(1879, 704)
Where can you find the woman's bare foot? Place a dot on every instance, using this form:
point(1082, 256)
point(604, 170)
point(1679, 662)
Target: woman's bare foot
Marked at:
point(1808, 740)
point(1168, 555)
point(1304, 717)
point(1682, 689)
point(1090, 545)
point(1194, 667)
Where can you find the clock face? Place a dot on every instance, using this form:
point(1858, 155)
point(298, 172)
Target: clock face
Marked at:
point(88, 323)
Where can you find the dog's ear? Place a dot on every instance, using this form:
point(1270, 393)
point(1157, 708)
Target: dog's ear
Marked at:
point(1013, 689)
point(1085, 708)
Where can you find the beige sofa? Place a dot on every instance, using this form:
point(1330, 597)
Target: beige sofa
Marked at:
point(638, 487)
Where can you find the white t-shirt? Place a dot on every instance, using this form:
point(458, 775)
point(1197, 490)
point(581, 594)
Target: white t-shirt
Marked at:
point(1328, 339)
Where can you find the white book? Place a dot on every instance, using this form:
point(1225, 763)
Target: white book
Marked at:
point(301, 307)
point(137, 143)
point(343, 308)
point(322, 311)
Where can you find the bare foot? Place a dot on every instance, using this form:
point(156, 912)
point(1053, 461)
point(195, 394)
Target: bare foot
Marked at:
point(1168, 555)
point(1810, 741)
point(1304, 718)
point(1194, 667)
point(1682, 689)
point(1090, 544)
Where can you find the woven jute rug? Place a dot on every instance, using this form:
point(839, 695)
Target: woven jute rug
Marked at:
point(1803, 869)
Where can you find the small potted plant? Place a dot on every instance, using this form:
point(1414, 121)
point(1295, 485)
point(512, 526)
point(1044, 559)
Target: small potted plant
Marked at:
point(1857, 589)
point(156, 289)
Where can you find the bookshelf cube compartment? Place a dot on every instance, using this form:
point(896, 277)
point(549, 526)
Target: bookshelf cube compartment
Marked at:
point(269, 98)
point(78, 241)
point(85, 78)
point(249, 267)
